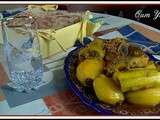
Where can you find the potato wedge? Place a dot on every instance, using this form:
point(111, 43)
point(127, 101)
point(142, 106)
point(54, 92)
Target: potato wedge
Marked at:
point(147, 97)
point(89, 69)
point(107, 91)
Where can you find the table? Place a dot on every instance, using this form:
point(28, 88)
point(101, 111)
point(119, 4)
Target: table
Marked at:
point(56, 98)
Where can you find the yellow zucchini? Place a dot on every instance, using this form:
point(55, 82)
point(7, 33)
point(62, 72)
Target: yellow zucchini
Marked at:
point(137, 79)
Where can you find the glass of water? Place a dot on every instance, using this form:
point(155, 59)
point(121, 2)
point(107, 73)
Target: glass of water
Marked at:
point(22, 53)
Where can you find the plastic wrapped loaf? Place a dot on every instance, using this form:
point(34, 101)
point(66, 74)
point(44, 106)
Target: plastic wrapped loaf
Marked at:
point(57, 30)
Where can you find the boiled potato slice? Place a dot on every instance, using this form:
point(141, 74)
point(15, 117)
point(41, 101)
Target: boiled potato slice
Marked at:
point(147, 97)
point(89, 69)
point(106, 91)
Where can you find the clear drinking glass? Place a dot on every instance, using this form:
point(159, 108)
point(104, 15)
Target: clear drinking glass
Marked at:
point(22, 52)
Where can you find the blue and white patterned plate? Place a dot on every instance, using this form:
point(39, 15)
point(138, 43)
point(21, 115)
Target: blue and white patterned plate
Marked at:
point(151, 48)
point(77, 88)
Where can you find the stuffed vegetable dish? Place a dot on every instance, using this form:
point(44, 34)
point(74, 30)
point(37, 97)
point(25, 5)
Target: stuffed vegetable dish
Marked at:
point(118, 75)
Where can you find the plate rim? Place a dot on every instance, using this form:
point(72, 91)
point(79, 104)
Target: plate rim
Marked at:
point(83, 99)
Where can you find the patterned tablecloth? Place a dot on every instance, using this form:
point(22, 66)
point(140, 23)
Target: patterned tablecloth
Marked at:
point(55, 98)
